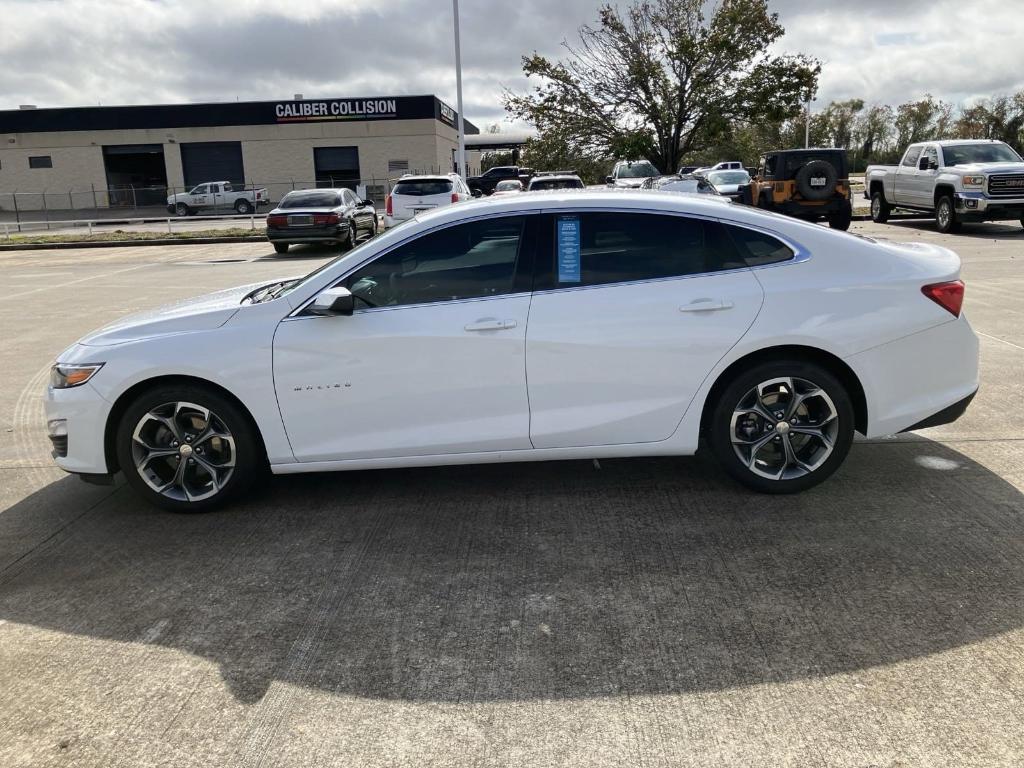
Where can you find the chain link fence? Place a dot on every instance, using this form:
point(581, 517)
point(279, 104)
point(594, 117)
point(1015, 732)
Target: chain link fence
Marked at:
point(17, 208)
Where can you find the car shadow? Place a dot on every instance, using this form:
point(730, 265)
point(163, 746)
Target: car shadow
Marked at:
point(535, 581)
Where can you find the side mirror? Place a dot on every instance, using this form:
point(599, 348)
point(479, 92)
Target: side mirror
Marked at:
point(367, 203)
point(922, 164)
point(333, 301)
point(609, 180)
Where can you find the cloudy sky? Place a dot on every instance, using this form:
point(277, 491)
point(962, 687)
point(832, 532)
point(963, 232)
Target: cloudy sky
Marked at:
point(75, 52)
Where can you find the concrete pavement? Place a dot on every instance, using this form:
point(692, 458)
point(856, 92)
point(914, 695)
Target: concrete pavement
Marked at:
point(647, 612)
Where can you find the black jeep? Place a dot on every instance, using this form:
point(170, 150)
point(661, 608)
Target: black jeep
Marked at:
point(810, 184)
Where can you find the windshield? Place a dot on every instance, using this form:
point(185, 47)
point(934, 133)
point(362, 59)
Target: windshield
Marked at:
point(640, 170)
point(962, 154)
point(729, 177)
point(310, 200)
point(423, 187)
point(556, 184)
point(508, 186)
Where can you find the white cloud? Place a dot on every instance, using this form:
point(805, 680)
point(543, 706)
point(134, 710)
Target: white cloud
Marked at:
point(72, 52)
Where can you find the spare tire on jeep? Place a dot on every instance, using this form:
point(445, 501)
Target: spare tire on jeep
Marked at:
point(817, 180)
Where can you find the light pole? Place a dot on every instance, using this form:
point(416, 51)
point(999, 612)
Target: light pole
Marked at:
point(458, 94)
point(807, 125)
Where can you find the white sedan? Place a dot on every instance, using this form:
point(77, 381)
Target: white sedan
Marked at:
point(531, 327)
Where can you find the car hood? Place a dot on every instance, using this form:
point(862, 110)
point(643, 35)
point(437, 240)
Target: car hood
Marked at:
point(728, 189)
point(988, 168)
point(202, 313)
point(627, 183)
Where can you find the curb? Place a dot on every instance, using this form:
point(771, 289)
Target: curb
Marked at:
point(128, 243)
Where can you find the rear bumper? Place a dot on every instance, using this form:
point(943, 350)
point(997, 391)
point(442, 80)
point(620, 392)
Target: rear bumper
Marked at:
point(811, 210)
point(947, 415)
point(912, 380)
point(332, 234)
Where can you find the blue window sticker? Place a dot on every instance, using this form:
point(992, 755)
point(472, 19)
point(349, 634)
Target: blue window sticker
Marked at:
point(568, 233)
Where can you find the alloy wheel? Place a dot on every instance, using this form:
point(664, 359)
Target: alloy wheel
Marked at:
point(876, 207)
point(784, 428)
point(183, 451)
point(943, 214)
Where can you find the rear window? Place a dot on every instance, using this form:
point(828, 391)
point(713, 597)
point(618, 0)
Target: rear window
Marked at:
point(758, 249)
point(310, 200)
point(423, 187)
point(556, 184)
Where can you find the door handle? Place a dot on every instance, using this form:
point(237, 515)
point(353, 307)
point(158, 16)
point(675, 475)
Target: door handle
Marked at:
point(489, 324)
point(706, 305)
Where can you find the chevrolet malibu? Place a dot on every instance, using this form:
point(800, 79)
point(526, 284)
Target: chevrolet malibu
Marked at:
point(576, 325)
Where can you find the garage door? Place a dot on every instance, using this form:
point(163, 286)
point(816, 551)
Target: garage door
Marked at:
point(204, 161)
point(336, 166)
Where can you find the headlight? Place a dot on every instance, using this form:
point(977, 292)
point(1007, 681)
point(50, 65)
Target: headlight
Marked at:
point(66, 376)
point(974, 181)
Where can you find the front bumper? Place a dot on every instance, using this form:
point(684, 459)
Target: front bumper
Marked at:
point(977, 207)
point(81, 413)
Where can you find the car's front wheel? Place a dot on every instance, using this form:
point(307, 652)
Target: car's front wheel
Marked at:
point(181, 209)
point(782, 427)
point(880, 209)
point(946, 220)
point(187, 448)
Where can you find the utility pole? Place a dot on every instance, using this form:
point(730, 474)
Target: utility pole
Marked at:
point(807, 123)
point(458, 94)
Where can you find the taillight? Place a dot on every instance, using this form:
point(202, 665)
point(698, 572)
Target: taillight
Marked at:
point(387, 206)
point(455, 197)
point(949, 296)
point(277, 221)
point(326, 218)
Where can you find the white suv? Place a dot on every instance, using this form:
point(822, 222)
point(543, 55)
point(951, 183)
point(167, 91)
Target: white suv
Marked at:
point(414, 194)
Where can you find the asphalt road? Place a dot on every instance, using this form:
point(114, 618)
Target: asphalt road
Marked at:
point(644, 613)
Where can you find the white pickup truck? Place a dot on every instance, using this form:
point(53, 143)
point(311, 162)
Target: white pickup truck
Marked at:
point(957, 181)
point(216, 195)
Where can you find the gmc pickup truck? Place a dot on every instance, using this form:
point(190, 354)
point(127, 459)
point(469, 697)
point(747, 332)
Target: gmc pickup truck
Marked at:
point(956, 181)
point(216, 195)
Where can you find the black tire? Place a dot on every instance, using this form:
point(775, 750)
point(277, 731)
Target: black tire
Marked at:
point(242, 206)
point(841, 219)
point(180, 209)
point(946, 220)
point(281, 247)
point(768, 457)
point(767, 202)
point(817, 169)
point(232, 437)
point(880, 208)
point(350, 241)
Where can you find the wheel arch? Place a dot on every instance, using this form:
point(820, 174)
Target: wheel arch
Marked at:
point(827, 360)
point(942, 190)
point(877, 186)
point(126, 398)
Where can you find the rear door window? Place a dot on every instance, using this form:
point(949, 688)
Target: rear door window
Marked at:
point(605, 248)
point(423, 187)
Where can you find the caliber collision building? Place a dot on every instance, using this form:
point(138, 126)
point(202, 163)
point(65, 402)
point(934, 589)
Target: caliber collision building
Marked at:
point(109, 156)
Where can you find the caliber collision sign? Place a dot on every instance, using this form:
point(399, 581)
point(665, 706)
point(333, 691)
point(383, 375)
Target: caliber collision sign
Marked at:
point(337, 109)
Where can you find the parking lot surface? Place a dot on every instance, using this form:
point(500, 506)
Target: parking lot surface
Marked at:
point(643, 612)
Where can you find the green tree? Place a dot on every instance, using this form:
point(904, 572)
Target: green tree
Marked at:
point(660, 80)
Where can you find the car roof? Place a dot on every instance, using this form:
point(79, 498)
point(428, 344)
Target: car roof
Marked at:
point(955, 142)
point(646, 200)
point(556, 177)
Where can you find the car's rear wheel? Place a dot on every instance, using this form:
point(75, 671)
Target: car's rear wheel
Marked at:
point(841, 219)
point(187, 448)
point(243, 206)
point(350, 239)
point(880, 209)
point(281, 247)
point(782, 427)
point(180, 209)
point(946, 220)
